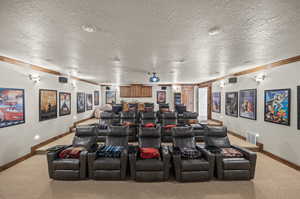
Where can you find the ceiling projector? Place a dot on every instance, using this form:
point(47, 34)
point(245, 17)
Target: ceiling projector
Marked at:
point(154, 78)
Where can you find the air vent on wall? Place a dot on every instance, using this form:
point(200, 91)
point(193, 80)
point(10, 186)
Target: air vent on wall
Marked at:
point(232, 80)
point(63, 80)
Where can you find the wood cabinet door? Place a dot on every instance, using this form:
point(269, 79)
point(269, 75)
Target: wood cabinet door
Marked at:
point(188, 97)
point(125, 91)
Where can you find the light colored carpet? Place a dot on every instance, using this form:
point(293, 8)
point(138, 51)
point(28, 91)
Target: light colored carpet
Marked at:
point(29, 180)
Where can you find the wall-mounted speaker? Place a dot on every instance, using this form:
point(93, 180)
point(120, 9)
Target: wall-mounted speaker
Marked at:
point(163, 88)
point(107, 88)
point(232, 80)
point(63, 80)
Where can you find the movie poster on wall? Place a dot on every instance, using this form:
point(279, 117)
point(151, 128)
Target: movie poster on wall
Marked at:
point(89, 102)
point(48, 104)
point(64, 103)
point(277, 106)
point(96, 98)
point(216, 102)
point(231, 104)
point(12, 107)
point(161, 97)
point(247, 105)
point(80, 102)
point(110, 97)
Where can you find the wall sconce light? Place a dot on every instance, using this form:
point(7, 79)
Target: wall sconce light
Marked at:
point(35, 78)
point(260, 78)
point(222, 84)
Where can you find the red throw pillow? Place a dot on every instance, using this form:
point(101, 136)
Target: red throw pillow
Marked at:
point(149, 153)
point(149, 125)
point(65, 153)
point(170, 126)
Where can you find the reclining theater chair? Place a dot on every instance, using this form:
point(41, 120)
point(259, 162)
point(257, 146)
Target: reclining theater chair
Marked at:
point(148, 117)
point(200, 168)
point(106, 118)
point(110, 168)
point(153, 169)
point(130, 118)
point(198, 129)
point(229, 167)
point(73, 168)
point(169, 120)
point(162, 108)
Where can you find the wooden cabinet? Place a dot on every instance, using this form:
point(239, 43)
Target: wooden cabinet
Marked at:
point(135, 91)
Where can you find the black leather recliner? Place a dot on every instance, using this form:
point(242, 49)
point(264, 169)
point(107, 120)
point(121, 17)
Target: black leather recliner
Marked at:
point(73, 169)
point(130, 117)
point(188, 170)
point(104, 168)
point(148, 117)
point(162, 108)
point(150, 169)
point(198, 129)
point(242, 168)
point(168, 118)
point(106, 118)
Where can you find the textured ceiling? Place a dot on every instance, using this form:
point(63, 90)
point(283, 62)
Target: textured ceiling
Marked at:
point(149, 35)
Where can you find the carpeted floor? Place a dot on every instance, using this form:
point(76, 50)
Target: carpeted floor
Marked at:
point(29, 180)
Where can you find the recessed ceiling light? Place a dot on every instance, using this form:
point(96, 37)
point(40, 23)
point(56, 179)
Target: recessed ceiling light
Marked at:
point(214, 31)
point(89, 28)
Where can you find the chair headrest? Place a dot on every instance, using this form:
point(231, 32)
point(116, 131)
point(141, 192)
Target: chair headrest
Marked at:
point(163, 106)
point(148, 115)
point(118, 131)
point(190, 115)
point(153, 132)
point(107, 115)
point(169, 115)
point(182, 132)
point(86, 130)
point(149, 104)
point(217, 131)
point(128, 114)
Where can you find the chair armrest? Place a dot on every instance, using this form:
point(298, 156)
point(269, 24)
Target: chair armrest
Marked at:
point(132, 162)
point(124, 158)
point(251, 156)
point(210, 157)
point(166, 161)
point(83, 164)
point(219, 166)
point(91, 158)
point(177, 163)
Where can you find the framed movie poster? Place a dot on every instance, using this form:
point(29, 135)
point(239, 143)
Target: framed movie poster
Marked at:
point(80, 102)
point(96, 98)
point(177, 98)
point(64, 103)
point(277, 106)
point(298, 104)
point(110, 97)
point(231, 104)
point(161, 97)
point(216, 102)
point(12, 107)
point(89, 102)
point(48, 104)
point(247, 105)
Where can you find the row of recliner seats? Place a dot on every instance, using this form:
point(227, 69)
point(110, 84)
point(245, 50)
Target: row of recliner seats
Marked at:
point(203, 168)
point(167, 118)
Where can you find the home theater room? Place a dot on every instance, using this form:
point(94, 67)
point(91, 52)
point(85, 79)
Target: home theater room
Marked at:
point(151, 99)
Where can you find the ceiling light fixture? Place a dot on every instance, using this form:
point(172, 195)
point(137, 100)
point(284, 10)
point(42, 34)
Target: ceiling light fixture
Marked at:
point(88, 28)
point(214, 31)
point(154, 78)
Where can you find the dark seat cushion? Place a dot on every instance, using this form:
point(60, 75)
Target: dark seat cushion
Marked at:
point(107, 164)
point(194, 165)
point(236, 164)
point(66, 164)
point(149, 165)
